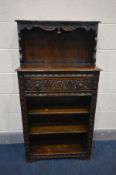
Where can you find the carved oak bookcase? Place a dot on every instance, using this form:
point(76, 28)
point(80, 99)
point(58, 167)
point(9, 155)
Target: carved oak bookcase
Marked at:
point(58, 83)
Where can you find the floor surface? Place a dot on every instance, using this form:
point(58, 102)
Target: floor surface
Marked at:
point(103, 162)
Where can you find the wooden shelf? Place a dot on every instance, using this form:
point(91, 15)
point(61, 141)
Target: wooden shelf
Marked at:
point(59, 110)
point(59, 69)
point(50, 129)
point(57, 149)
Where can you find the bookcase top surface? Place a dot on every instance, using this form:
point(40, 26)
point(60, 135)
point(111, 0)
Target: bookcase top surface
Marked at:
point(54, 21)
point(48, 69)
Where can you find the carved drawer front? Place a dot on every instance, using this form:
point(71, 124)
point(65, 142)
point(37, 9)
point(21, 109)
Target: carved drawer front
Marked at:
point(55, 83)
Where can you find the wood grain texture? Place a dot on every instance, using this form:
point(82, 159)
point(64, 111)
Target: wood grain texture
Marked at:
point(57, 43)
point(53, 69)
point(54, 129)
point(59, 110)
point(39, 150)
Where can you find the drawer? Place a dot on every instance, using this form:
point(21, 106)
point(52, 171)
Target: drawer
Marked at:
point(59, 83)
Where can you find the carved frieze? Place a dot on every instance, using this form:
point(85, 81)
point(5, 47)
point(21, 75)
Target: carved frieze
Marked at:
point(54, 85)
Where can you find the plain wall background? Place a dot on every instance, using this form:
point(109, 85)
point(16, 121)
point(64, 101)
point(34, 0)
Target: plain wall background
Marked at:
point(101, 10)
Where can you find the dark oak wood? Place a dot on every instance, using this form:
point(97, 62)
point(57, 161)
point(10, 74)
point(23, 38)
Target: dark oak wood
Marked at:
point(59, 110)
point(51, 150)
point(58, 83)
point(50, 44)
point(73, 145)
point(54, 129)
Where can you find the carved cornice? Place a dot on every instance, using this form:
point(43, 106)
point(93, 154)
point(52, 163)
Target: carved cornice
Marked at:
point(58, 26)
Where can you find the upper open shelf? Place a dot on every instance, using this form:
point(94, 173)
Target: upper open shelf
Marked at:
point(57, 44)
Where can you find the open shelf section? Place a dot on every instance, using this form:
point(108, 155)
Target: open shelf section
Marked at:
point(44, 145)
point(58, 129)
point(56, 119)
point(58, 105)
point(58, 110)
point(57, 149)
point(58, 47)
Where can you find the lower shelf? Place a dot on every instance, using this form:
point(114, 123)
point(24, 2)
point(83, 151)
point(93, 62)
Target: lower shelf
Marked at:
point(58, 146)
point(57, 149)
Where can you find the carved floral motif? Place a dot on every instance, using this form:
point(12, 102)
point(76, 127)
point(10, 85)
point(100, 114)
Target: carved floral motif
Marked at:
point(57, 85)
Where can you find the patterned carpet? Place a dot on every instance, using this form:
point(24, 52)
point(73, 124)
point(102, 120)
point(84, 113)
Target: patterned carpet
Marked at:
point(103, 162)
